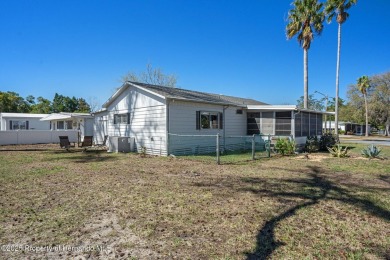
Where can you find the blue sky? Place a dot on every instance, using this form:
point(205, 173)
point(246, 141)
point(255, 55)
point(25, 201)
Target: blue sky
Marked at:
point(82, 48)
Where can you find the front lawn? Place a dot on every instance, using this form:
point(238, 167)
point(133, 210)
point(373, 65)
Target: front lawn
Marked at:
point(122, 205)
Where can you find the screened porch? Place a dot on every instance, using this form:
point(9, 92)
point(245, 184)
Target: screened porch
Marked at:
point(295, 123)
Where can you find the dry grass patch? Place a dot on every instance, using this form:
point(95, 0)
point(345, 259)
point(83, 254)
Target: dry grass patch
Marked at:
point(158, 207)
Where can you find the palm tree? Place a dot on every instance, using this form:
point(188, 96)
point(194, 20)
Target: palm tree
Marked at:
point(363, 83)
point(305, 20)
point(338, 8)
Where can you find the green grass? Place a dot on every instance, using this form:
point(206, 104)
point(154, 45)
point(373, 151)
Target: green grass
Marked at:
point(294, 207)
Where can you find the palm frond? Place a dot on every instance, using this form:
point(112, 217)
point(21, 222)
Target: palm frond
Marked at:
point(305, 18)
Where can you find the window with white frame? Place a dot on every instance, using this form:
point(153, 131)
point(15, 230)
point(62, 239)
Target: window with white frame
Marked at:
point(60, 125)
point(18, 125)
point(209, 120)
point(69, 124)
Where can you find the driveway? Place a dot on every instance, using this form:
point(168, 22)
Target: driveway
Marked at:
point(376, 140)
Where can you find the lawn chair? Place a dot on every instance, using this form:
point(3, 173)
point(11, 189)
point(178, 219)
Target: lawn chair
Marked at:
point(87, 143)
point(64, 142)
point(104, 144)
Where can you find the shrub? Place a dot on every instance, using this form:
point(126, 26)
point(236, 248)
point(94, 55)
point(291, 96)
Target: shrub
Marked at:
point(338, 151)
point(312, 144)
point(143, 151)
point(371, 152)
point(285, 146)
point(327, 140)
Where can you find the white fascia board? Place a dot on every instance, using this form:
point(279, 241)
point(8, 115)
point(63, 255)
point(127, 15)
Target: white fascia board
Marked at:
point(16, 115)
point(271, 107)
point(54, 117)
point(115, 95)
point(99, 111)
point(316, 111)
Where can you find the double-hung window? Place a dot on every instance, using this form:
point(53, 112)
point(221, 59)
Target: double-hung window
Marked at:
point(209, 120)
point(18, 125)
point(122, 118)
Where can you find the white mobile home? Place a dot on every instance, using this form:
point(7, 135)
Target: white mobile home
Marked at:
point(151, 116)
point(23, 128)
point(349, 128)
point(23, 121)
point(82, 122)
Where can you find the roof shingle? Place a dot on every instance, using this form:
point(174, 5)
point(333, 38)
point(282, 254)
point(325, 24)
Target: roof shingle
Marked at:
point(190, 95)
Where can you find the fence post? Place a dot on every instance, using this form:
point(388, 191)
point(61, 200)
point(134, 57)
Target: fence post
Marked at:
point(253, 147)
point(217, 150)
point(269, 146)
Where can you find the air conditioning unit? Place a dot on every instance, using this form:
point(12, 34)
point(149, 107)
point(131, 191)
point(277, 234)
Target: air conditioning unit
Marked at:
point(121, 144)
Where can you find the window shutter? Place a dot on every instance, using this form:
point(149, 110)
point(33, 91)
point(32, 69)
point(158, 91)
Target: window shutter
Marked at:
point(197, 120)
point(128, 118)
point(220, 120)
point(27, 125)
point(115, 119)
point(10, 124)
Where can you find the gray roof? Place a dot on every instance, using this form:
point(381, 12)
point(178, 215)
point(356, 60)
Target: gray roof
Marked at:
point(196, 96)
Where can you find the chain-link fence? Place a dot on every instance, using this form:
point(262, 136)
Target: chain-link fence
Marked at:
point(221, 147)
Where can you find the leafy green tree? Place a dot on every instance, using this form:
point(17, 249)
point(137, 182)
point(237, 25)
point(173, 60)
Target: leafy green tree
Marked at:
point(30, 100)
point(379, 101)
point(305, 20)
point(43, 106)
point(13, 103)
point(313, 103)
point(363, 83)
point(153, 76)
point(82, 106)
point(339, 9)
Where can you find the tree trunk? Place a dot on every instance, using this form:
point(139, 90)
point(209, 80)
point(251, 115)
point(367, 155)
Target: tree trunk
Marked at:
point(387, 129)
point(336, 118)
point(365, 103)
point(305, 79)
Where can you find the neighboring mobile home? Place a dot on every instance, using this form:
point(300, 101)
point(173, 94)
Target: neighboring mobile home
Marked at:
point(152, 116)
point(23, 121)
point(82, 122)
point(349, 128)
point(23, 128)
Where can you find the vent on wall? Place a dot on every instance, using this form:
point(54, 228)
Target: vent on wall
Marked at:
point(239, 111)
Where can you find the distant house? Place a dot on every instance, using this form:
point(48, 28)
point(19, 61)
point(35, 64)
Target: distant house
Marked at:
point(151, 115)
point(24, 128)
point(350, 128)
point(23, 121)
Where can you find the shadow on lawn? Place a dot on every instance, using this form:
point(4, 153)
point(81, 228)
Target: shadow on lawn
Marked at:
point(321, 189)
point(80, 156)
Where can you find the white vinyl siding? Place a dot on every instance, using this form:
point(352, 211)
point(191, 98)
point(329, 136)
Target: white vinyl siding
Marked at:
point(147, 120)
point(183, 119)
point(33, 123)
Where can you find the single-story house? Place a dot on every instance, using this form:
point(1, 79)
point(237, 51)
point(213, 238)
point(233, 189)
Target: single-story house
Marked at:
point(24, 128)
point(83, 122)
point(23, 121)
point(162, 120)
point(349, 127)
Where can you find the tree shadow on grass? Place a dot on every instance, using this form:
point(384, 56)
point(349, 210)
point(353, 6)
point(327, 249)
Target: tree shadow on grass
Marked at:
point(321, 189)
point(78, 156)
